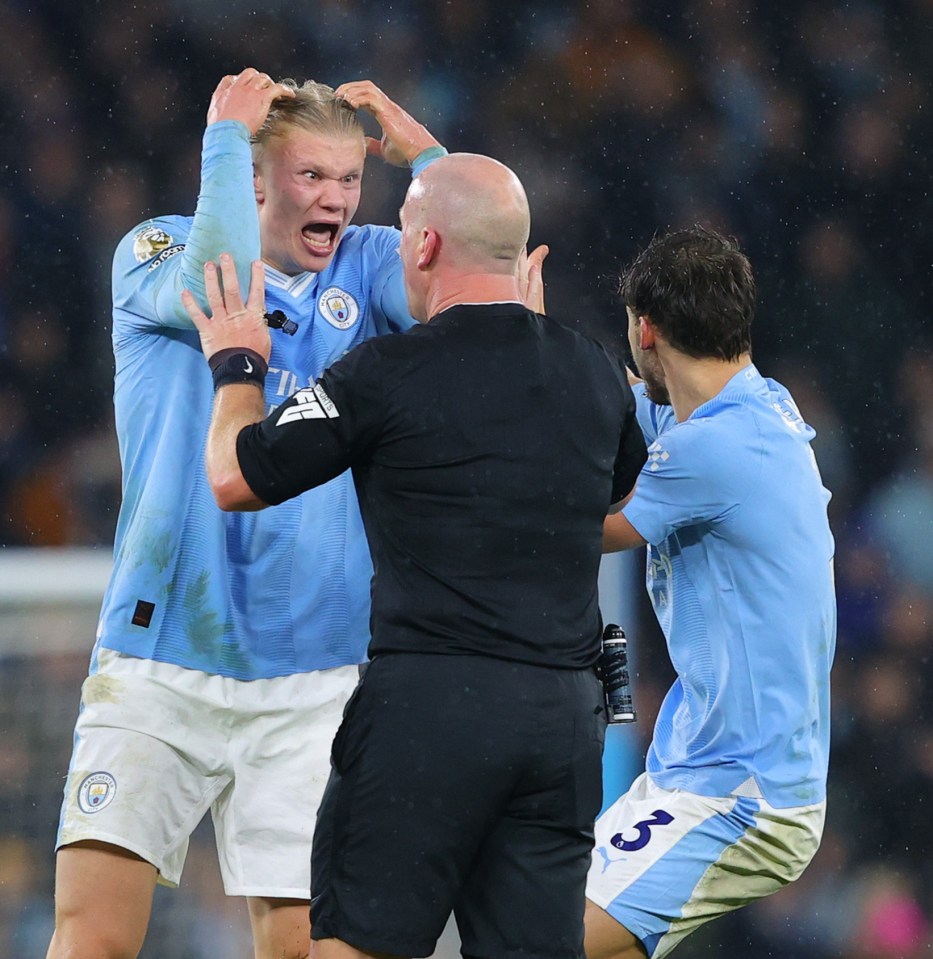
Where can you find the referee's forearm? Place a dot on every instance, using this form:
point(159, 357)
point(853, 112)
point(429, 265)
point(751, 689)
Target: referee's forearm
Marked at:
point(235, 406)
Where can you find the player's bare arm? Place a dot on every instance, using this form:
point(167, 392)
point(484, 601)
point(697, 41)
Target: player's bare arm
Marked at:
point(238, 332)
point(246, 97)
point(618, 532)
point(403, 137)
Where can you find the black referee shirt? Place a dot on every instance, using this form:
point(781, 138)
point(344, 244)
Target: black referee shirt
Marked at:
point(486, 447)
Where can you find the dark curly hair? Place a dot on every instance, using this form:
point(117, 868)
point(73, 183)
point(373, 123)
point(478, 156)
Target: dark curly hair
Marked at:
point(698, 290)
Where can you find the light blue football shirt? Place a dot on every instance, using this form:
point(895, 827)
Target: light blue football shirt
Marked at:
point(248, 595)
point(739, 571)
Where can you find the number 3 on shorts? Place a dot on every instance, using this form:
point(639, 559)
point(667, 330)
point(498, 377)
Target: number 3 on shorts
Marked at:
point(658, 818)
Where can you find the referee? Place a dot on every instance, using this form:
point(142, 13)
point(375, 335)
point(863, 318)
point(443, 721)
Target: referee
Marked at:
point(487, 445)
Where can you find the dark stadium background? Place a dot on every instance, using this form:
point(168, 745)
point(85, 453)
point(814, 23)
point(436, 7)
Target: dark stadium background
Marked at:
point(802, 127)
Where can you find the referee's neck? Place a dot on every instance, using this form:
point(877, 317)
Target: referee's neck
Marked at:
point(472, 288)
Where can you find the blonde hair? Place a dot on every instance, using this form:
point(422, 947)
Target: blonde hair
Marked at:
point(314, 107)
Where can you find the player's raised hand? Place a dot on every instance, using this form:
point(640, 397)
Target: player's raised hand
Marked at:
point(246, 97)
point(531, 278)
point(403, 137)
point(232, 324)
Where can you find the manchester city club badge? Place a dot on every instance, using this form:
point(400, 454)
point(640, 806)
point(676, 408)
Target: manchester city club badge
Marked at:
point(338, 308)
point(96, 792)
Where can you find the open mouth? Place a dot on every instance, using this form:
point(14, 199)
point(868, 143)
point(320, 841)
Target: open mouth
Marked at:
point(320, 238)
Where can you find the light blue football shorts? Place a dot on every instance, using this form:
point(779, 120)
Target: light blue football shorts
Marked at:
point(667, 861)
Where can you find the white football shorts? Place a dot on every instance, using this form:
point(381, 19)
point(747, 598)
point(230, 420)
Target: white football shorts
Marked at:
point(157, 745)
point(667, 861)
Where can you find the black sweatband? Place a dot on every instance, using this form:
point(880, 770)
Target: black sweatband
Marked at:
point(238, 365)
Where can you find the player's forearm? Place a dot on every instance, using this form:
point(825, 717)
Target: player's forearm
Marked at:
point(226, 218)
point(619, 534)
point(404, 140)
point(235, 406)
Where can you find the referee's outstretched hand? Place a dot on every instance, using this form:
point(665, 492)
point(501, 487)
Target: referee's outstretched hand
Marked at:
point(232, 324)
point(403, 137)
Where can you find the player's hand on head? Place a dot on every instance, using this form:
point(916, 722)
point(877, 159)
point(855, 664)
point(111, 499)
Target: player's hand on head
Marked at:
point(246, 97)
point(531, 278)
point(403, 137)
point(232, 323)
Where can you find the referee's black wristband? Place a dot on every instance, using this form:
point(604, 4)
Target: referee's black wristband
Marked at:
point(238, 365)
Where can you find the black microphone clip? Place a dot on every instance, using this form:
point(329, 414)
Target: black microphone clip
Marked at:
point(277, 320)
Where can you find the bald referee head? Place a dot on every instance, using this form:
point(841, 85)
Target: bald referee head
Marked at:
point(465, 223)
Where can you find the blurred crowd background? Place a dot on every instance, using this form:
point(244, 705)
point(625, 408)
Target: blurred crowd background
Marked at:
point(803, 128)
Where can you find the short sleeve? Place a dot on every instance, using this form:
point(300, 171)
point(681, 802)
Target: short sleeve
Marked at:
point(318, 433)
point(696, 474)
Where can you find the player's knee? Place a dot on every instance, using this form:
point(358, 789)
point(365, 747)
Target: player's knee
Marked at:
point(84, 934)
point(77, 938)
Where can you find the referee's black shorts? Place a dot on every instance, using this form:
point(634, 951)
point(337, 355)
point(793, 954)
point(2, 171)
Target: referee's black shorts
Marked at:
point(461, 783)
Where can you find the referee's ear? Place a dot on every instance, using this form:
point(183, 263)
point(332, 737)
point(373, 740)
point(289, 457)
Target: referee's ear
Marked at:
point(429, 248)
point(259, 187)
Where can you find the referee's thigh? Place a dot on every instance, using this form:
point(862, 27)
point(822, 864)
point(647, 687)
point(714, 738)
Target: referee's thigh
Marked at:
point(524, 893)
